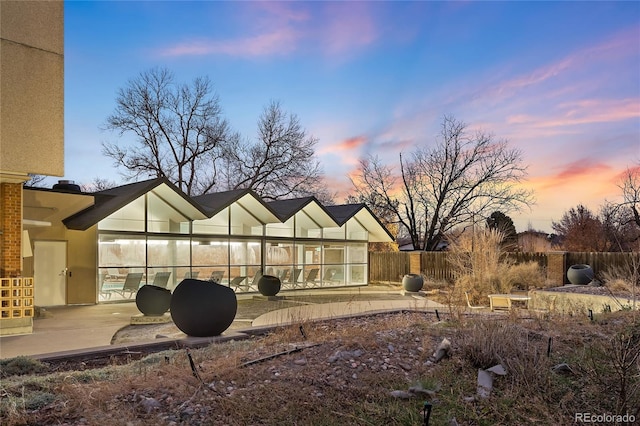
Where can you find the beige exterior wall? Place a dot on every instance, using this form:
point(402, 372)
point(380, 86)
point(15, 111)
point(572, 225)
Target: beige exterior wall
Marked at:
point(31, 88)
point(43, 212)
point(82, 253)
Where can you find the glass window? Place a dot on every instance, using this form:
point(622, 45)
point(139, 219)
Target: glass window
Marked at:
point(245, 261)
point(210, 259)
point(333, 275)
point(309, 254)
point(280, 229)
point(355, 231)
point(243, 223)
point(334, 233)
point(279, 260)
point(357, 253)
point(117, 251)
point(334, 253)
point(217, 225)
point(168, 251)
point(357, 274)
point(162, 217)
point(128, 218)
point(305, 227)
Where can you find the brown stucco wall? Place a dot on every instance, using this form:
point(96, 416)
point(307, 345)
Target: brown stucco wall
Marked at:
point(32, 87)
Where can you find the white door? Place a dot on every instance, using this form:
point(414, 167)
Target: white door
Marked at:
point(50, 273)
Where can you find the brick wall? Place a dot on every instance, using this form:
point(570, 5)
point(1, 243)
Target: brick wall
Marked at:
point(11, 226)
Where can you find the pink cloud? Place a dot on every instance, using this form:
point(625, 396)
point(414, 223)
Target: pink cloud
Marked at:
point(281, 28)
point(281, 41)
point(621, 45)
point(348, 144)
point(583, 173)
point(585, 111)
point(349, 25)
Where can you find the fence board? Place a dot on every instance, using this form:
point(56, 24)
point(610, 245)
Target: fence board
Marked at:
point(605, 262)
point(388, 266)
point(392, 266)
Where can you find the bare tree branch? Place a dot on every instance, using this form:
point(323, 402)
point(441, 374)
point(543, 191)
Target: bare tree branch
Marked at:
point(178, 130)
point(281, 163)
point(462, 177)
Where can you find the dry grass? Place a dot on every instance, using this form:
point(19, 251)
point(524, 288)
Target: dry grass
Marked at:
point(621, 279)
point(482, 267)
point(344, 372)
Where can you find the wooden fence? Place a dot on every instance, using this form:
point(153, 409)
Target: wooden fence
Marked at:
point(392, 266)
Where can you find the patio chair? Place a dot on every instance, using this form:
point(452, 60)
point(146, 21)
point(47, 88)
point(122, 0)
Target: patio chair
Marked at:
point(284, 276)
point(104, 292)
point(254, 281)
point(161, 279)
point(131, 284)
point(312, 277)
point(216, 276)
point(499, 303)
point(466, 295)
point(295, 277)
point(113, 274)
point(236, 283)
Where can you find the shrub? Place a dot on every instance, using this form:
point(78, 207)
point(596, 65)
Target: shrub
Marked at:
point(19, 366)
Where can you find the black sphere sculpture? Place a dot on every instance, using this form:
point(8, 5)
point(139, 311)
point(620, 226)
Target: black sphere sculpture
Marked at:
point(152, 300)
point(412, 282)
point(580, 274)
point(203, 308)
point(269, 285)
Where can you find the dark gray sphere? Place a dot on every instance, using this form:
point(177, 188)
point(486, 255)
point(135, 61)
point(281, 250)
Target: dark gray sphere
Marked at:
point(203, 308)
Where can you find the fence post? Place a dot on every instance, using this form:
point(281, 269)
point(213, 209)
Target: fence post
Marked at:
point(556, 267)
point(415, 262)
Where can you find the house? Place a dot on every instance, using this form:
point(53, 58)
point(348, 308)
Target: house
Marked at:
point(31, 134)
point(85, 245)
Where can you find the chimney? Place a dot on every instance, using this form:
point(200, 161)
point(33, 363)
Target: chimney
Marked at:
point(67, 185)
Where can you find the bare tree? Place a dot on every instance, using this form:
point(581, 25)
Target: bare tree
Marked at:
point(178, 130)
point(98, 184)
point(630, 187)
point(281, 163)
point(35, 181)
point(622, 219)
point(581, 230)
point(463, 178)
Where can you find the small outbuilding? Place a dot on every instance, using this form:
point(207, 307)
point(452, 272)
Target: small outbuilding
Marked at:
point(99, 247)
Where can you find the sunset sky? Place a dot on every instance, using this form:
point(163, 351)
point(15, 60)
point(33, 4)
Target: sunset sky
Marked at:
point(559, 80)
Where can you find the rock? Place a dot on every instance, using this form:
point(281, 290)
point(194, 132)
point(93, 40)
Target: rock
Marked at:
point(562, 368)
point(400, 394)
point(149, 404)
point(419, 390)
point(300, 361)
point(485, 383)
point(443, 350)
point(405, 366)
point(498, 369)
point(346, 355)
